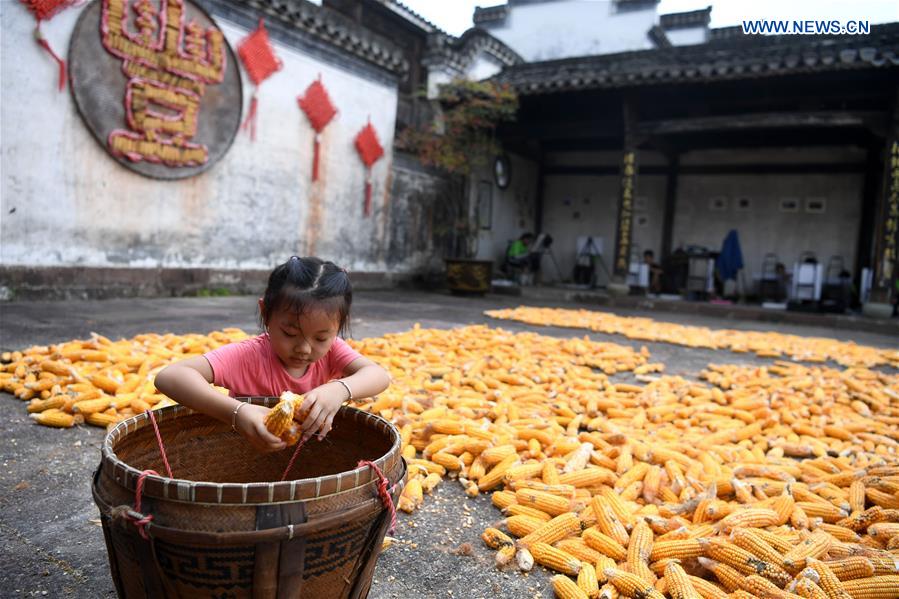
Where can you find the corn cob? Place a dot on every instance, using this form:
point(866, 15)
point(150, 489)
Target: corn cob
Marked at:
point(576, 548)
point(631, 585)
point(743, 561)
point(521, 526)
point(607, 521)
point(805, 587)
point(679, 585)
point(825, 578)
point(565, 588)
point(55, 418)
point(554, 559)
point(523, 510)
point(640, 544)
point(604, 544)
point(876, 587)
point(558, 528)
point(814, 546)
point(587, 581)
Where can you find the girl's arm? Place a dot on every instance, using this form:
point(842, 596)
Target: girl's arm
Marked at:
point(362, 376)
point(187, 382)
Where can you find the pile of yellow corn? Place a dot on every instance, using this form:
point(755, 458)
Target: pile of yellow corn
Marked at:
point(774, 482)
point(777, 481)
point(770, 345)
point(99, 381)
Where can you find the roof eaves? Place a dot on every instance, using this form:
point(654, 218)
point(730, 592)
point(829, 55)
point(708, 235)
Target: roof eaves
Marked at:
point(738, 58)
point(337, 30)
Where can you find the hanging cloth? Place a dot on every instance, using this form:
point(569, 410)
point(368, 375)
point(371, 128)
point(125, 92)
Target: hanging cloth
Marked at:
point(259, 59)
point(730, 260)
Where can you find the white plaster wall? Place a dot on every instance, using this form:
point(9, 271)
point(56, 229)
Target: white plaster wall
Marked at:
point(64, 201)
point(588, 205)
point(764, 228)
point(436, 78)
point(482, 68)
point(687, 36)
point(579, 205)
point(513, 208)
point(550, 30)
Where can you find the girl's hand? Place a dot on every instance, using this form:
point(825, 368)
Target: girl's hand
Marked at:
point(251, 424)
point(319, 408)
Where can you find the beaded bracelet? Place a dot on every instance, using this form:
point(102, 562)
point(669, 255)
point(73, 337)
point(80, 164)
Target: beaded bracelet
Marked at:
point(234, 416)
point(347, 387)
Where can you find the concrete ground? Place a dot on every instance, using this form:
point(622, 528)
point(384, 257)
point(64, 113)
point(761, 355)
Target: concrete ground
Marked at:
point(50, 539)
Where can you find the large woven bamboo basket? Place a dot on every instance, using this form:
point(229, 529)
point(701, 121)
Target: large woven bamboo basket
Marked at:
point(223, 528)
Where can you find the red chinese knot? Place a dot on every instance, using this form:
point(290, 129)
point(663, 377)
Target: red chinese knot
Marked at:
point(368, 146)
point(319, 110)
point(258, 58)
point(317, 105)
point(43, 10)
point(370, 151)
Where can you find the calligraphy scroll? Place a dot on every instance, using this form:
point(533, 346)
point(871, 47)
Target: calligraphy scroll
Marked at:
point(625, 213)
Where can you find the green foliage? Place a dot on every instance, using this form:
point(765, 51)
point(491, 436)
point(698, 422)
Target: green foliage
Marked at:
point(471, 112)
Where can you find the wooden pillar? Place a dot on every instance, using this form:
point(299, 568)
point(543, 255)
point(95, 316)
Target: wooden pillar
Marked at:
point(670, 204)
point(538, 201)
point(886, 224)
point(624, 228)
point(864, 249)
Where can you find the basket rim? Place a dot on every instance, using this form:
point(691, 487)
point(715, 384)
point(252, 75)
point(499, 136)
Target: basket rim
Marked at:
point(200, 492)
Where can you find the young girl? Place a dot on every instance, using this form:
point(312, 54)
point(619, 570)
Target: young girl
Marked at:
point(305, 307)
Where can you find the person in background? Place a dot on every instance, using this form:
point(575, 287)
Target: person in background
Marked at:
point(519, 254)
point(655, 272)
point(782, 280)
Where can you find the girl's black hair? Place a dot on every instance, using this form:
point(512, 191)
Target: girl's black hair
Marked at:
point(302, 284)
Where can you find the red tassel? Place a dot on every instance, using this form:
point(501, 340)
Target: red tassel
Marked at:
point(315, 159)
point(250, 121)
point(367, 208)
point(46, 46)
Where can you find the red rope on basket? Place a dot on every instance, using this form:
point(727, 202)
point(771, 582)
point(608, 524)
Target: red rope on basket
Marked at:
point(137, 518)
point(293, 459)
point(165, 460)
point(383, 492)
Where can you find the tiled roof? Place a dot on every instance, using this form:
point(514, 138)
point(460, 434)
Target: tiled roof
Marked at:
point(335, 29)
point(458, 52)
point(725, 58)
point(693, 18)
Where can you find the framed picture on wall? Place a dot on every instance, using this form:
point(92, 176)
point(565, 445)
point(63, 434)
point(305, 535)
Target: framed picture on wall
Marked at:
point(789, 204)
point(743, 204)
point(485, 205)
point(718, 204)
point(815, 205)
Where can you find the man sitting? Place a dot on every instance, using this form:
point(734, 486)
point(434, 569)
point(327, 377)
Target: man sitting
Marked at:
point(520, 256)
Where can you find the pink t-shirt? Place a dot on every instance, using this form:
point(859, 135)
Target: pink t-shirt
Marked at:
point(251, 368)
